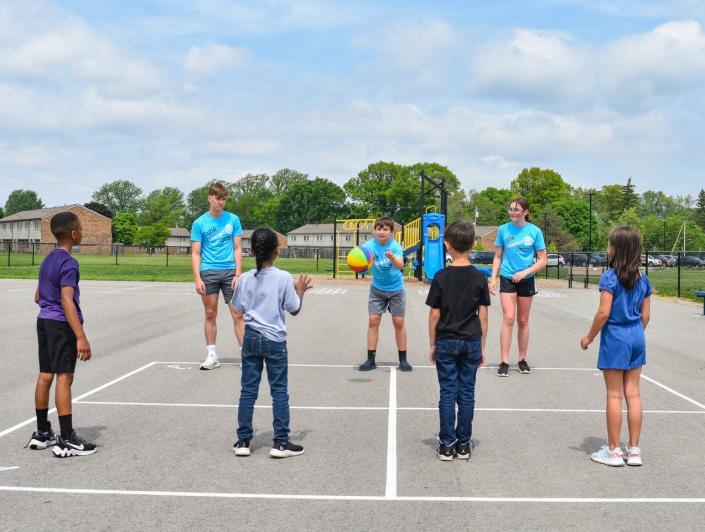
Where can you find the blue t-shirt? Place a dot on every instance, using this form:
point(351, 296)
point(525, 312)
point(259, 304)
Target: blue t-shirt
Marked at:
point(58, 269)
point(263, 299)
point(385, 276)
point(216, 238)
point(519, 245)
point(626, 304)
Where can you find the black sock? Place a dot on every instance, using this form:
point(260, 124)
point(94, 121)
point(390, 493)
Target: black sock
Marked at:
point(402, 356)
point(371, 355)
point(66, 424)
point(42, 421)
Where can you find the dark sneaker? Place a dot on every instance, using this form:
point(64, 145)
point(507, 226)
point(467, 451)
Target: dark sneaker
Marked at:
point(524, 367)
point(42, 440)
point(445, 452)
point(368, 365)
point(73, 446)
point(405, 366)
point(464, 450)
point(242, 448)
point(285, 449)
point(503, 370)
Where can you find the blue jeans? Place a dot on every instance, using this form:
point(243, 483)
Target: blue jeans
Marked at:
point(457, 361)
point(256, 349)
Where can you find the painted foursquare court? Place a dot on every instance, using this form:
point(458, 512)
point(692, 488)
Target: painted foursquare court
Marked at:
point(164, 429)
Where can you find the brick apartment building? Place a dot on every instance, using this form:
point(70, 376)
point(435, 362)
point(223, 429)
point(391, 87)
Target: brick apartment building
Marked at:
point(27, 229)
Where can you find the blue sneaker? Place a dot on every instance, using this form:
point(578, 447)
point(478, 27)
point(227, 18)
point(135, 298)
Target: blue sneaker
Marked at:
point(610, 457)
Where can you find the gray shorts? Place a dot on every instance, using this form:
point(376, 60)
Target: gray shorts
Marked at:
point(380, 301)
point(219, 281)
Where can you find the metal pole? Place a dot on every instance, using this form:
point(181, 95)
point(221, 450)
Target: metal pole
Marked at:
point(9, 250)
point(335, 243)
point(664, 236)
point(545, 231)
point(422, 208)
point(167, 256)
point(591, 194)
point(357, 241)
point(32, 253)
point(679, 273)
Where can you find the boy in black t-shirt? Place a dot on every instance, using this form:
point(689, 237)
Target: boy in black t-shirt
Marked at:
point(457, 324)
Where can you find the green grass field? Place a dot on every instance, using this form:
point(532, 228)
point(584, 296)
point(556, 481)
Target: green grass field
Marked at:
point(664, 280)
point(144, 267)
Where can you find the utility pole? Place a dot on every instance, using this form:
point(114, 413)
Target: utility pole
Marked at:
point(590, 194)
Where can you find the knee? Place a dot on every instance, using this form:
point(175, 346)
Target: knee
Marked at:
point(615, 395)
point(237, 315)
point(211, 313)
point(398, 323)
point(523, 322)
point(508, 320)
point(374, 321)
point(46, 379)
point(632, 394)
point(65, 379)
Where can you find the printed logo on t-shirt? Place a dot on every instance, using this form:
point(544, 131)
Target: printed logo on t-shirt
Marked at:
point(226, 232)
point(525, 245)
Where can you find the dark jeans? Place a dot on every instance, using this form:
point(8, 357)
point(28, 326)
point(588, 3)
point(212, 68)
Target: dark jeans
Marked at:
point(256, 349)
point(457, 361)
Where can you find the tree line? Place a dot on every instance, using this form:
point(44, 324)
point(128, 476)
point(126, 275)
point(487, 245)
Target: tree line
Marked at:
point(572, 218)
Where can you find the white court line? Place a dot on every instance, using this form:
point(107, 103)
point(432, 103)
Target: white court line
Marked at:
point(391, 489)
point(349, 366)
point(410, 408)
point(91, 392)
point(225, 495)
point(692, 401)
point(207, 405)
point(124, 289)
point(8, 468)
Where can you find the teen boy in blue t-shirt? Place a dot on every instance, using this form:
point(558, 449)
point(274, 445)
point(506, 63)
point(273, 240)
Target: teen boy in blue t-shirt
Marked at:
point(216, 261)
point(386, 292)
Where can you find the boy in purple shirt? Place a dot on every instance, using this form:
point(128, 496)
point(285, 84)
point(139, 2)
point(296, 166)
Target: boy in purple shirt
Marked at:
point(61, 339)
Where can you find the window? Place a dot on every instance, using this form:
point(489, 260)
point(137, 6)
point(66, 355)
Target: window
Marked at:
point(305, 238)
point(293, 238)
point(319, 237)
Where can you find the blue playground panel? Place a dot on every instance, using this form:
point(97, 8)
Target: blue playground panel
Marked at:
point(434, 252)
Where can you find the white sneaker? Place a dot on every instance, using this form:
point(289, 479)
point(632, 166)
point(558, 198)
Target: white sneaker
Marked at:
point(211, 362)
point(613, 457)
point(633, 456)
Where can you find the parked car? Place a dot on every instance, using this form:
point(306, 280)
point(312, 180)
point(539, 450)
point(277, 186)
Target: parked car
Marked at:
point(482, 257)
point(598, 258)
point(667, 260)
point(576, 259)
point(554, 259)
point(652, 260)
point(690, 260)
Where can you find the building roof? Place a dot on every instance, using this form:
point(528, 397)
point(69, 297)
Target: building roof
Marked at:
point(314, 229)
point(247, 233)
point(179, 231)
point(41, 214)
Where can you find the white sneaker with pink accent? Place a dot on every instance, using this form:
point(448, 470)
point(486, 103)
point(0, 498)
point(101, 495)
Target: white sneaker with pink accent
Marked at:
point(610, 457)
point(633, 456)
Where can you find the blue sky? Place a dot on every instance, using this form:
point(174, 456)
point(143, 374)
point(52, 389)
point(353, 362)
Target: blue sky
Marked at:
point(174, 93)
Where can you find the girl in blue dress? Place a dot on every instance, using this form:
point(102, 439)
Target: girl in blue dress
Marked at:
point(621, 318)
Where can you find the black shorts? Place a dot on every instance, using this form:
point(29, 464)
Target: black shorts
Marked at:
point(57, 346)
point(524, 288)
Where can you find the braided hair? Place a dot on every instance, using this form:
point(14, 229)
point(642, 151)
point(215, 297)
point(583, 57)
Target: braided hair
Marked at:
point(264, 244)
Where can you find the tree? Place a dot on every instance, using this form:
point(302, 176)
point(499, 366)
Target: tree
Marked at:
point(316, 201)
point(164, 206)
point(630, 199)
point(610, 202)
point(152, 236)
point(2, 213)
point(555, 233)
point(491, 205)
point(119, 196)
point(700, 210)
point(22, 200)
point(124, 228)
point(284, 179)
point(575, 215)
point(196, 204)
point(99, 208)
point(540, 186)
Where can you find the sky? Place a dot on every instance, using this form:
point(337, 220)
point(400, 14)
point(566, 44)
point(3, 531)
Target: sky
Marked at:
point(178, 92)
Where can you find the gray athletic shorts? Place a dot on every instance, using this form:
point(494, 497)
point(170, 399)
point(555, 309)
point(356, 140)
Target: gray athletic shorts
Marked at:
point(219, 281)
point(380, 301)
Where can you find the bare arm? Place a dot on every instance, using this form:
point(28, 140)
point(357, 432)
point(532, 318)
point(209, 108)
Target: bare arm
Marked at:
point(496, 263)
point(36, 295)
point(196, 267)
point(484, 324)
point(646, 311)
point(601, 317)
point(540, 264)
point(434, 316)
point(302, 284)
point(396, 260)
point(83, 347)
point(237, 253)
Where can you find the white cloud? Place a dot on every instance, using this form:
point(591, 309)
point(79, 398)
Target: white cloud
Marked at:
point(208, 60)
point(666, 61)
point(532, 66)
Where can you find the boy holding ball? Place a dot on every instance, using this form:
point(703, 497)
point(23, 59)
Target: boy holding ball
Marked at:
point(386, 291)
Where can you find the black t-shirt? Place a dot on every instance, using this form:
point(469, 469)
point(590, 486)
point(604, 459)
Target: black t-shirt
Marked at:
point(459, 291)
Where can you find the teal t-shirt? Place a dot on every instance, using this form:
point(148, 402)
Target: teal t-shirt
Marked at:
point(385, 276)
point(216, 238)
point(519, 245)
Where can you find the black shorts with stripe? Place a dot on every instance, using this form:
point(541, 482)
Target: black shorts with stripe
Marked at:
point(524, 288)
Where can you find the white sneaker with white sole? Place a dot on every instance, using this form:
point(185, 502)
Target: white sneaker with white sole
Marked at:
point(211, 361)
point(633, 456)
point(610, 457)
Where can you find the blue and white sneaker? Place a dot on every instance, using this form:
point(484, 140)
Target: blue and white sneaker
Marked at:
point(610, 457)
point(42, 440)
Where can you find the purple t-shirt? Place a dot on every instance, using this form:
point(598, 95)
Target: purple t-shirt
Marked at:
point(58, 269)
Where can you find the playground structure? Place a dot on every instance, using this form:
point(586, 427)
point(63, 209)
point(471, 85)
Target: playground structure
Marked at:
point(422, 237)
